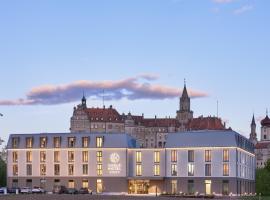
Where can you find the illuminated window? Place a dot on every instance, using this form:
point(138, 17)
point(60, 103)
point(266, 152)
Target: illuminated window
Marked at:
point(57, 142)
point(28, 156)
point(174, 186)
point(70, 169)
point(190, 169)
point(138, 169)
point(15, 170)
point(85, 184)
point(225, 169)
point(15, 142)
point(99, 156)
point(173, 169)
point(207, 169)
point(156, 156)
point(42, 156)
point(56, 156)
point(57, 169)
point(138, 156)
point(190, 155)
point(15, 156)
point(225, 155)
point(71, 184)
point(29, 142)
point(71, 156)
point(207, 156)
point(85, 169)
point(42, 169)
point(43, 142)
point(85, 156)
point(29, 170)
point(99, 142)
point(85, 142)
point(173, 156)
point(99, 169)
point(71, 142)
point(157, 170)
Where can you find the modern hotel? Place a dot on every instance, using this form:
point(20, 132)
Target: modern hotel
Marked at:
point(205, 162)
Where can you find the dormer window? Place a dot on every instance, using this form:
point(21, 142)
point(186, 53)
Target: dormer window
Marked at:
point(99, 142)
point(15, 142)
point(43, 142)
point(71, 142)
point(29, 142)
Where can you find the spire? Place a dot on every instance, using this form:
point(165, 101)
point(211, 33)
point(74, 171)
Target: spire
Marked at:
point(184, 93)
point(253, 120)
point(83, 101)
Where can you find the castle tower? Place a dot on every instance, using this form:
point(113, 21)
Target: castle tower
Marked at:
point(253, 134)
point(84, 102)
point(265, 128)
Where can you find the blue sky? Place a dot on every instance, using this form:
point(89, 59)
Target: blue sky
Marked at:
point(221, 47)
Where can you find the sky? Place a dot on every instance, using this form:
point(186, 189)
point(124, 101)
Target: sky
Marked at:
point(139, 52)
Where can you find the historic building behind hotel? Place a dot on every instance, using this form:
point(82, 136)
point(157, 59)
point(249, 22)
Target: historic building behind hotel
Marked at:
point(149, 132)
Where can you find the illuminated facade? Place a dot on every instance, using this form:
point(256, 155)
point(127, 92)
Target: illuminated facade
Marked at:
point(220, 162)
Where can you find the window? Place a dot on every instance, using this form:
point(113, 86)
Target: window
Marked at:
point(99, 169)
point(156, 156)
point(138, 156)
point(99, 142)
point(29, 142)
point(225, 169)
point(15, 170)
point(207, 156)
point(15, 156)
point(71, 142)
point(174, 186)
point(42, 156)
point(99, 156)
point(15, 142)
point(71, 156)
point(85, 156)
point(138, 169)
point(42, 169)
point(57, 169)
point(56, 156)
point(173, 156)
point(190, 169)
point(85, 142)
point(190, 155)
point(157, 170)
point(174, 170)
point(225, 187)
point(43, 142)
point(28, 156)
point(85, 169)
point(225, 155)
point(71, 184)
point(70, 169)
point(191, 189)
point(85, 184)
point(29, 170)
point(57, 142)
point(207, 169)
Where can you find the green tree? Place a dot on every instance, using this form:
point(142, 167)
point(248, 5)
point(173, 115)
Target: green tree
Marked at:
point(267, 165)
point(263, 182)
point(3, 173)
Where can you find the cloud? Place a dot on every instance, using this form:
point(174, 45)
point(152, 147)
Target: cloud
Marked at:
point(132, 88)
point(223, 1)
point(243, 9)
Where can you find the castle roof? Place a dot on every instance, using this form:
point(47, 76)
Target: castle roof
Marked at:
point(104, 114)
point(265, 121)
point(206, 123)
point(262, 145)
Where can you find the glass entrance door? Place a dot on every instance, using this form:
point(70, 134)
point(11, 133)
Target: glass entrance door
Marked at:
point(99, 186)
point(138, 186)
point(208, 187)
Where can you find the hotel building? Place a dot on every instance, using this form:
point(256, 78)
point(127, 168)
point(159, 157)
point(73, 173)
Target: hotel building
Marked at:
point(206, 162)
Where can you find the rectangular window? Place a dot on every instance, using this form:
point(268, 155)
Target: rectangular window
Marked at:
point(15, 170)
point(29, 142)
point(42, 169)
point(174, 186)
point(138, 156)
point(173, 156)
point(43, 142)
point(225, 187)
point(57, 142)
point(225, 155)
point(15, 156)
point(43, 156)
point(207, 156)
point(173, 169)
point(99, 156)
point(70, 169)
point(56, 156)
point(156, 156)
point(71, 142)
point(191, 189)
point(85, 169)
point(85, 156)
point(71, 184)
point(157, 170)
point(225, 169)
point(57, 169)
point(28, 156)
point(138, 169)
point(29, 170)
point(99, 169)
point(85, 184)
point(207, 169)
point(190, 155)
point(99, 142)
point(71, 156)
point(190, 169)
point(15, 142)
point(85, 142)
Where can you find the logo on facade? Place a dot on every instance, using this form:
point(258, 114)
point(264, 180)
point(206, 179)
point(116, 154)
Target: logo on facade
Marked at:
point(114, 167)
point(115, 158)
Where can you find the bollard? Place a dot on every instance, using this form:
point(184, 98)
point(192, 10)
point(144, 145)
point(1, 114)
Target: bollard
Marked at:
point(5, 191)
point(17, 191)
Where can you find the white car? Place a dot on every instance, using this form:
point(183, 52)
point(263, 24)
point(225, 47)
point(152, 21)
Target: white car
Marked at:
point(2, 190)
point(26, 190)
point(38, 190)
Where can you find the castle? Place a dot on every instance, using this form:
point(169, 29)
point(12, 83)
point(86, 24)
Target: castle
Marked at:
point(149, 132)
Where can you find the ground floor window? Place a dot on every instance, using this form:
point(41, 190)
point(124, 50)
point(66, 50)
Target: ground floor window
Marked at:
point(29, 183)
point(15, 183)
point(71, 184)
point(208, 185)
point(174, 186)
point(225, 187)
point(85, 183)
point(191, 189)
point(139, 186)
point(99, 186)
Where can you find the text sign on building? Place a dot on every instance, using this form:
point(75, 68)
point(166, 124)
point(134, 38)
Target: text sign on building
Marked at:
point(114, 166)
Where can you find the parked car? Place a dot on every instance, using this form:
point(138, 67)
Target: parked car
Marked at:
point(83, 191)
point(13, 190)
point(26, 190)
point(72, 191)
point(2, 190)
point(59, 189)
point(38, 190)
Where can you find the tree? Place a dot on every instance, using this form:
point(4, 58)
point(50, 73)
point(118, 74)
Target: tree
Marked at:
point(267, 165)
point(263, 182)
point(3, 173)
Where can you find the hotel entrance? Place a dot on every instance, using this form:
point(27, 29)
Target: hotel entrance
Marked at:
point(138, 186)
point(208, 184)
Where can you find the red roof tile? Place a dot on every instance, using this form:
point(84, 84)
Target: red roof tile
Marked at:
point(206, 123)
point(262, 145)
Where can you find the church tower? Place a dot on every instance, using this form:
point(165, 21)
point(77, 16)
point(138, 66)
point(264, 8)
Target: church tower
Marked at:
point(184, 114)
point(84, 102)
point(253, 134)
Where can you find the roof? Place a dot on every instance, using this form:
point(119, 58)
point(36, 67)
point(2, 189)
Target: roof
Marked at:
point(161, 122)
point(265, 121)
point(263, 145)
point(206, 123)
point(104, 114)
point(112, 140)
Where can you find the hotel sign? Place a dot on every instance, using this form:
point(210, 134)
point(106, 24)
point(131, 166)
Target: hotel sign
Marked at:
point(114, 166)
